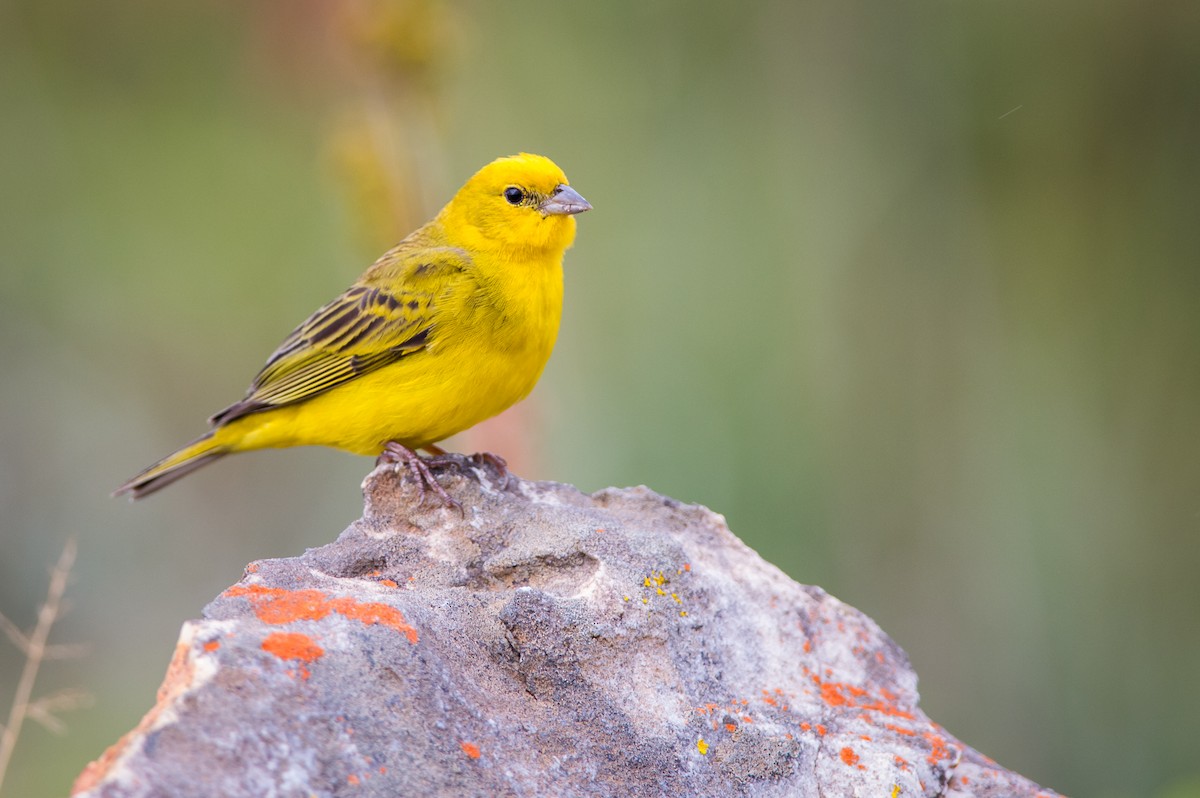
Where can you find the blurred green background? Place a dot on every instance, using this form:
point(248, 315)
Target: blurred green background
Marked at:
point(909, 291)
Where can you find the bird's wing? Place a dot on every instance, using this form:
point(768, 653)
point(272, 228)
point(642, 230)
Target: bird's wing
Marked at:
point(388, 315)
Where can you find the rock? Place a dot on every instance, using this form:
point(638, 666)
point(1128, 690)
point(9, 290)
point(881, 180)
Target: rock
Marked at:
point(544, 642)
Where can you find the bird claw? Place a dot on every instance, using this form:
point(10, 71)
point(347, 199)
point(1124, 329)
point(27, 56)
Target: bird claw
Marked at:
point(479, 460)
point(397, 453)
point(498, 464)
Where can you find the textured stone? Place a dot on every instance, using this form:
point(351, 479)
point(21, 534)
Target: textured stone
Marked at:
point(542, 643)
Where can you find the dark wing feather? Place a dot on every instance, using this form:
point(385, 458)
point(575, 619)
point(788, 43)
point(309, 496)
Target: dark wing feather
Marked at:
point(389, 315)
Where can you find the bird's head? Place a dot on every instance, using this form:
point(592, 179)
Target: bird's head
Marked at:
point(519, 203)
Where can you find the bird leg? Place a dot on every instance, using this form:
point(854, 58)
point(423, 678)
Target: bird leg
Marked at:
point(396, 453)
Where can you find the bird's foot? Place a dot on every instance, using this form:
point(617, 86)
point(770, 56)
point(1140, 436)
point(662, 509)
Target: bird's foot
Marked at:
point(480, 459)
point(498, 464)
point(396, 453)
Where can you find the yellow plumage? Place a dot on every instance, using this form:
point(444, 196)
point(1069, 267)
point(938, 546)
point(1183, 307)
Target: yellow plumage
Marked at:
point(449, 327)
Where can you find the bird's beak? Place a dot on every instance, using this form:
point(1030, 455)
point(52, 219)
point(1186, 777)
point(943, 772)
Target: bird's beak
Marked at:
point(565, 201)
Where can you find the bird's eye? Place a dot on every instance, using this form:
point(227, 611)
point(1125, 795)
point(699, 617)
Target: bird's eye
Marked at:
point(514, 195)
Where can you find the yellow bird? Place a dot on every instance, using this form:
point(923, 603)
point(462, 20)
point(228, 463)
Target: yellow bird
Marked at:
point(449, 327)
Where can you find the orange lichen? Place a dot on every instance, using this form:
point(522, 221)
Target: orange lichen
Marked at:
point(352, 779)
point(370, 613)
point(291, 645)
point(388, 583)
point(848, 756)
point(831, 694)
point(888, 709)
point(730, 727)
point(277, 606)
point(821, 730)
point(212, 645)
point(805, 726)
point(687, 566)
point(470, 749)
point(807, 646)
point(902, 762)
point(841, 694)
point(898, 729)
point(939, 750)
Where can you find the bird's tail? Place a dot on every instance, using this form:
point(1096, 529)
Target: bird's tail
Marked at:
point(174, 466)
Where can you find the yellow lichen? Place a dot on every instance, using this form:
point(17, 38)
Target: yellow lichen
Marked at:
point(656, 580)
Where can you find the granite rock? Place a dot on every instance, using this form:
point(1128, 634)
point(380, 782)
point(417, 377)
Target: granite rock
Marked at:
point(543, 642)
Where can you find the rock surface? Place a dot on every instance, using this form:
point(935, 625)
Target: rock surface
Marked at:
point(542, 643)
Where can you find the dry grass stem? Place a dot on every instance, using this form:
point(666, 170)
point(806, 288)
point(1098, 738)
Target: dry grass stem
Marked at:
point(36, 650)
